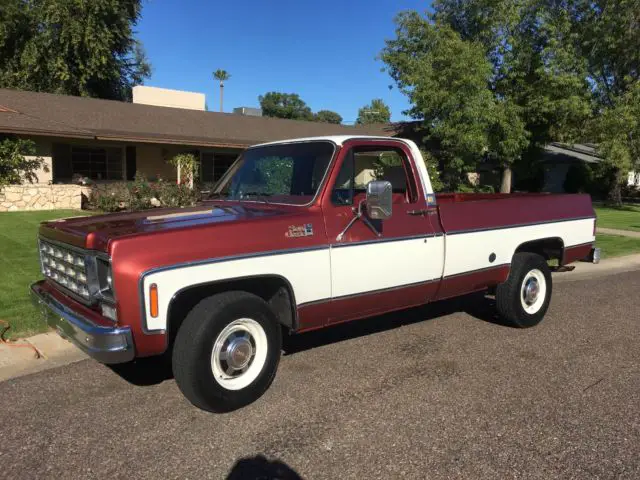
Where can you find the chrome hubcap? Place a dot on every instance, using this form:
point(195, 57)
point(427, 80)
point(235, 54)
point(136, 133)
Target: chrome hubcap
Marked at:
point(531, 291)
point(237, 352)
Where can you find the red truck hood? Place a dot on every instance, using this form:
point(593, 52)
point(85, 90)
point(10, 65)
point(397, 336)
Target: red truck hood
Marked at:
point(96, 232)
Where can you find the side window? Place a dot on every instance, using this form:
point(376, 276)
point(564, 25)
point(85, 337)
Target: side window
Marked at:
point(365, 164)
point(342, 193)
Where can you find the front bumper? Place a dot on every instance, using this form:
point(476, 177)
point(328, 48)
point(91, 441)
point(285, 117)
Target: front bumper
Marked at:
point(105, 344)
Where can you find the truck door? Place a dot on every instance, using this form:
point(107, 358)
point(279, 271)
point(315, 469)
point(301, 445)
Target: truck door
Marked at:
point(379, 265)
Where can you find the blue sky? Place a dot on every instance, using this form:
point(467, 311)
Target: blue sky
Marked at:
point(323, 50)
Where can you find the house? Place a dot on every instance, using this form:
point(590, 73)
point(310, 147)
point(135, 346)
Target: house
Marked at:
point(558, 158)
point(109, 141)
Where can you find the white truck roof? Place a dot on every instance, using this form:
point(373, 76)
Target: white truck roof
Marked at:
point(337, 139)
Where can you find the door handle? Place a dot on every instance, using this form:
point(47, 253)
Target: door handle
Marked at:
point(416, 212)
point(423, 211)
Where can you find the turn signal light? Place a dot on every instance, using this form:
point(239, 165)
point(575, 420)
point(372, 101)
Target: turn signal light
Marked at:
point(153, 300)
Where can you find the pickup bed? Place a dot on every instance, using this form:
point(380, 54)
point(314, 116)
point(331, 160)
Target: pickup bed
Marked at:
point(297, 235)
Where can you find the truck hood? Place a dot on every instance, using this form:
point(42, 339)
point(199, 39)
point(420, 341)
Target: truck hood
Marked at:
point(96, 232)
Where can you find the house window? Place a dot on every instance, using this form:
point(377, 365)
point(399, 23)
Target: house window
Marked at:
point(214, 165)
point(221, 164)
point(97, 163)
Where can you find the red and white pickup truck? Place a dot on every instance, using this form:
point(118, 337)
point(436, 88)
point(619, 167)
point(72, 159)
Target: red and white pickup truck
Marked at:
point(298, 235)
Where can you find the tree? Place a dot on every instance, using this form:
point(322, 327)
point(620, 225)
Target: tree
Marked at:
point(447, 82)
point(71, 47)
point(510, 69)
point(327, 116)
point(284, 105)
point(18, 161)
point(607, 35)
point(376, 112)
point(618, 133)
point(187, 165)
point(221, 76)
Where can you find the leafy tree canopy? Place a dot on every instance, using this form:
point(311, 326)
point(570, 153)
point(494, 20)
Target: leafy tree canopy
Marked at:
point(73, 47)
point(221, 76)
point(327, 116)
point(618, 133)
point(284, 105)
point(489, 79)
point(376, 112)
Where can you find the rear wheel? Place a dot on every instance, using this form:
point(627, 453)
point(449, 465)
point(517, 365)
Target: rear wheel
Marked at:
point(227, 351)
point(524, 298)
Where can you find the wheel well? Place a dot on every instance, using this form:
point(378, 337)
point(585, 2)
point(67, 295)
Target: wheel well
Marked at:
point(548, 248)
point(273, 289)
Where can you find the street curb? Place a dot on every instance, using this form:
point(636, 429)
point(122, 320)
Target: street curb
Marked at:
point(56, 351)
point(606, 267)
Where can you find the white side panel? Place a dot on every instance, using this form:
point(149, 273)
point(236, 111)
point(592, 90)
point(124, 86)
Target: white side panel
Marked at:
point(308, 272)
point(470, 251)
point(375, 266)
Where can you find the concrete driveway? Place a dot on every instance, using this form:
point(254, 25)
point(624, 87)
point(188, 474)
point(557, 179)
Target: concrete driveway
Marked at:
point(438, 392)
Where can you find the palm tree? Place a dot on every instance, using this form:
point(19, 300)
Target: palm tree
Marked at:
point(222, 76)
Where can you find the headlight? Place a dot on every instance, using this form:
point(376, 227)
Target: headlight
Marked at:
point(105, 278)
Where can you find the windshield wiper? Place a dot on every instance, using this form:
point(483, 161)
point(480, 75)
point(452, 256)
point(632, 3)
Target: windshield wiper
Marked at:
point(259, 195)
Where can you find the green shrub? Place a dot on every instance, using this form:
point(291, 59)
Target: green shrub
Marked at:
point(172, 195)
point(140, 193)
point(14, 164)
point(106, 203)
point(579, 178)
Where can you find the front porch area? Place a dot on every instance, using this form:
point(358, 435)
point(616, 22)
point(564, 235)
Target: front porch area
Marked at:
point(74, 169)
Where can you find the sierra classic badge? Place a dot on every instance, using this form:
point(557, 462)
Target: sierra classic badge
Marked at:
point(305, 230)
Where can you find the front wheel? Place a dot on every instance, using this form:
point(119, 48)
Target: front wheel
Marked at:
point(524, 298)
point(227, 351)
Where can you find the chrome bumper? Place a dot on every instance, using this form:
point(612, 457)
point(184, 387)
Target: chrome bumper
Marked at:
point(106, 345)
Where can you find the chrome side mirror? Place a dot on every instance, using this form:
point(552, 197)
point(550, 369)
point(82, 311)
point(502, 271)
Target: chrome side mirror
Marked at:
point(379, 199)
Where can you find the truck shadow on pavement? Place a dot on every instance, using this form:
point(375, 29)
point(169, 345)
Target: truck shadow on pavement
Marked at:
point(155, 370)
point(259, 467)
point(477, 305)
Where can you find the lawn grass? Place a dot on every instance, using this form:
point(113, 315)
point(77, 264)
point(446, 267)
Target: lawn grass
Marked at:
point(616, 245)
point(626, 217)
point(19, 267)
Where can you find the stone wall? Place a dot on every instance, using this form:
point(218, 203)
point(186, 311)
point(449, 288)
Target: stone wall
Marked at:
point(15, 198)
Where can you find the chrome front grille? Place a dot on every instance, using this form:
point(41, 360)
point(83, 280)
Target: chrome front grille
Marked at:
point(66, 267)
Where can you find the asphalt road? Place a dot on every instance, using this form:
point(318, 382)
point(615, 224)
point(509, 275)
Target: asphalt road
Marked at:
point(438, 392)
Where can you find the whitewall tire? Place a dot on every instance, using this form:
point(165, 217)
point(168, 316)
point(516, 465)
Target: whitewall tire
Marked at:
point(524, 298)
point(227, 351)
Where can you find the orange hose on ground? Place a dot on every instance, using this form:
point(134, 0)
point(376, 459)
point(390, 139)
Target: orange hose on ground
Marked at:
point(6, 342)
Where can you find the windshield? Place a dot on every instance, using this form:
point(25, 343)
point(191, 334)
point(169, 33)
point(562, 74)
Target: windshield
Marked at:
point(281, 173)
